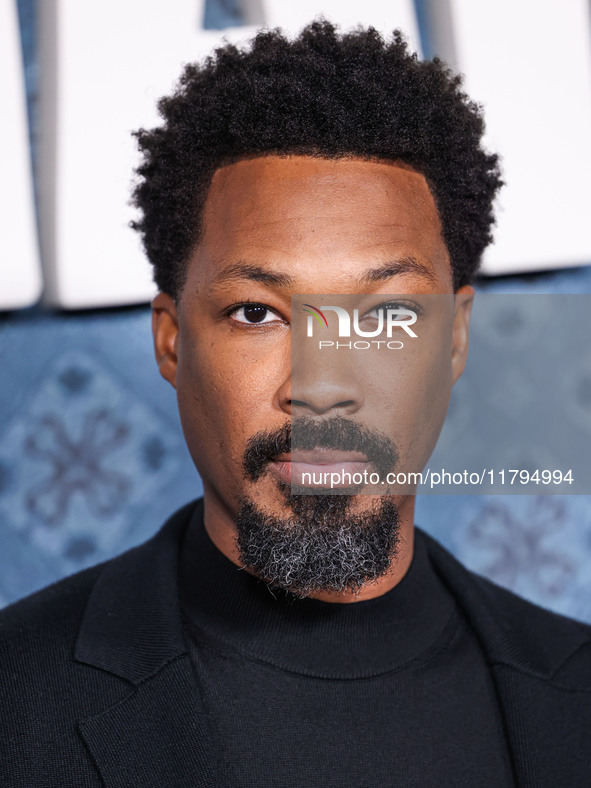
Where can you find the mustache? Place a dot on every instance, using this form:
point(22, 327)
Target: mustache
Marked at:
point(308, 434)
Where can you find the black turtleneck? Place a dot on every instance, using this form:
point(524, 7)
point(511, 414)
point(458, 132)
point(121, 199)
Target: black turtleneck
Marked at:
point(300, 693)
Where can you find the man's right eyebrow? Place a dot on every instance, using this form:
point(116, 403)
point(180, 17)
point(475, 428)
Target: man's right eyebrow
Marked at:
point(241, 271)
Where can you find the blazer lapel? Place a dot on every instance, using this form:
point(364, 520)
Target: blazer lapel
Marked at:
point(548, 725)
point(545, 712)
point(156, 734)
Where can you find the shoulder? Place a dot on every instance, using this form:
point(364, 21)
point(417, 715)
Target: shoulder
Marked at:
point(80, 647)
point(514, 631)
point(47, 618)
point(50, 619)
point(43, 690)
point(38, 636)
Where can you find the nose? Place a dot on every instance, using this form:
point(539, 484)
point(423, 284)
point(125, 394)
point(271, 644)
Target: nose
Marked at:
point(322, 384)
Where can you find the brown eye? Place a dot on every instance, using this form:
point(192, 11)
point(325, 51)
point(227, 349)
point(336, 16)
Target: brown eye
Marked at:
point(255, 313)
point(251, 314)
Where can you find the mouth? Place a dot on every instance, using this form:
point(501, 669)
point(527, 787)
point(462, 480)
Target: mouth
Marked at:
point(320, 464)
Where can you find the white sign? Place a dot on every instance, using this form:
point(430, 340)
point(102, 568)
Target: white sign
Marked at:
point(529, 64)
point(104, 66)
point(20, 272)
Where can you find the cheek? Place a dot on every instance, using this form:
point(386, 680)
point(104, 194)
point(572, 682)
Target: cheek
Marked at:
point(225, 395)
point(430, 403)
point(407, 398)
point(228, 384)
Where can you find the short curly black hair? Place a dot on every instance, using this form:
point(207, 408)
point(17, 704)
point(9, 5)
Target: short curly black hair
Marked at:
point(327, 94)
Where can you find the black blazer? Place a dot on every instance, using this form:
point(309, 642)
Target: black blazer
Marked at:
point(97, 688)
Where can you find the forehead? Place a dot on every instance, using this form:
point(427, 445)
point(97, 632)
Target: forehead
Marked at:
point(298, 212)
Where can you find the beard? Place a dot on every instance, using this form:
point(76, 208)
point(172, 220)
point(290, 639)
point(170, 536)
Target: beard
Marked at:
point(322, 545)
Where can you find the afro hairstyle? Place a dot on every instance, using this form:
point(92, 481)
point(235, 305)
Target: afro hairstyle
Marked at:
point(326, 94)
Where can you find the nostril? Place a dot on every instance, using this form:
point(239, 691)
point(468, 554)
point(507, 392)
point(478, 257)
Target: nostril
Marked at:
point(319, 408)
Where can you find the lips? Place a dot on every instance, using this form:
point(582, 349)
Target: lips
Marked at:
point(322, 456)
point(292, 465)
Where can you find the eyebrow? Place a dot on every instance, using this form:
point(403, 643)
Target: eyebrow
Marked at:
point(406, 265)
point(256, 273)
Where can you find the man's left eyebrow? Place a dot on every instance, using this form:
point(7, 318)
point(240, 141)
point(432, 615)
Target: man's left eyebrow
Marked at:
point(389, 269)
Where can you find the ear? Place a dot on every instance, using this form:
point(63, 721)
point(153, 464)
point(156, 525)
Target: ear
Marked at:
point(165, 330)
point(464, 298)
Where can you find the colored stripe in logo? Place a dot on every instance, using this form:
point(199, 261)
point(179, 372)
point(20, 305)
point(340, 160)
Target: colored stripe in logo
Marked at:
point(315, 312)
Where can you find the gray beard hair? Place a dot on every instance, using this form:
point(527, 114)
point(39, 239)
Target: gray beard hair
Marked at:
point(322, 547)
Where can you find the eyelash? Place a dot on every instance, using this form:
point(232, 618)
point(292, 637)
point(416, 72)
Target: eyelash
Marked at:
point(398, 305)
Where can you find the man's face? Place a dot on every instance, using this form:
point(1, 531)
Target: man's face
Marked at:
point(278, 226)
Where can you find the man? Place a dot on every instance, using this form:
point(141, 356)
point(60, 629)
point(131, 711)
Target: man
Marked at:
point(267, 636)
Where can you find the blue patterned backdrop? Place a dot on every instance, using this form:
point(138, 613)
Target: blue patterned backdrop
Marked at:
point(92, 458)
